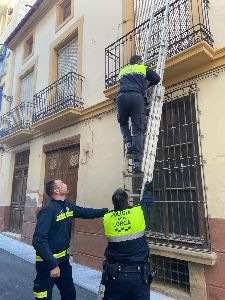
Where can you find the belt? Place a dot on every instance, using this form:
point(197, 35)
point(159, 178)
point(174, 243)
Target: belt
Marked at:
point(132, 268)
point(56, 255)
point(128, 92)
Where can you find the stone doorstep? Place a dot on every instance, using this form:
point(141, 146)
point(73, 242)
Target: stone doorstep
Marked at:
point(15, 236)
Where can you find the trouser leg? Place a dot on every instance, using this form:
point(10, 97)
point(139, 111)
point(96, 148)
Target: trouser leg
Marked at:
point(43, 285)
point(127, 286)
point(65, 282)
point(123, 108)
point(138, 115)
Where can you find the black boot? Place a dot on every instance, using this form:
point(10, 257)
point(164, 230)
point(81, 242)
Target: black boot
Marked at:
point(129, 148)
point(137, 167)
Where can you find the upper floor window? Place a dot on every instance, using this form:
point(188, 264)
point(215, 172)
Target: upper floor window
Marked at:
point(64, 11)
point(26, 92)
point(28, 47)
point(6, 18)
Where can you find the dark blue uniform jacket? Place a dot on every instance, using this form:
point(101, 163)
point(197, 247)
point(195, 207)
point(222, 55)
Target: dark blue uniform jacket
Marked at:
point(53, 229)
point(136, 82)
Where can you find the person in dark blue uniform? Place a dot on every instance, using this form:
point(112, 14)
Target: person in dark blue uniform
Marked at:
point(51, 241)
point(131, 104)
point(126, 274)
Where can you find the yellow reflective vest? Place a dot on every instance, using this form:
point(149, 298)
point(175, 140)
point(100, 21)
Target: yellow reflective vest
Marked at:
point(133, 69)
point(124, 225)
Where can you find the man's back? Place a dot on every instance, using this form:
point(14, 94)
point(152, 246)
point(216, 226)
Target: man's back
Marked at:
point(133, 79)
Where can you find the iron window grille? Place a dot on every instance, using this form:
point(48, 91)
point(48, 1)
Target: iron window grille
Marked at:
point(171, 272)
point(179, 214)
point(188, 25)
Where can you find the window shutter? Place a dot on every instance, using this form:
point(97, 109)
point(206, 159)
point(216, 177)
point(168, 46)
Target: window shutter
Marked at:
point(67, 58)
point(26, 89)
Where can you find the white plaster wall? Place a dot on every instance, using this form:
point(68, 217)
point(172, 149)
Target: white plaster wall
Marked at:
point(6, 178)
point(101, 21)
point(20, 11)
point(212, 123)
point(100, 170)
point(217, 22)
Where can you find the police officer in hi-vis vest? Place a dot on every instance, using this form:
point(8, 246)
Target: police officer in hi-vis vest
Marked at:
point(126, 274)
point(131, 104)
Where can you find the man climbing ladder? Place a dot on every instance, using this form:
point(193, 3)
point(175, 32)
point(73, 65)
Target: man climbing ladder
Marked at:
point(131, 103)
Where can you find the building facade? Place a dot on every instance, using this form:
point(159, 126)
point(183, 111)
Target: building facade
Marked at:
point(61, 123)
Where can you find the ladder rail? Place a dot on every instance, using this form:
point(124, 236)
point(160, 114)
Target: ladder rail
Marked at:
point(158, 28)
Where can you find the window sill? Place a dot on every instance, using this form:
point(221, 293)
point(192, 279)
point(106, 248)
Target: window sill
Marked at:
point(27, 58)
point(207, 258)
point(59, 26)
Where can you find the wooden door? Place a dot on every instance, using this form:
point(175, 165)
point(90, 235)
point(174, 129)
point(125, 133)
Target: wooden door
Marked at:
point(63, 164)
point(19, 191)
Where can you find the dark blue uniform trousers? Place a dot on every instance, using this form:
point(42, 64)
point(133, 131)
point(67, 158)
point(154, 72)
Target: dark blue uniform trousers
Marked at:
point(127, 286)
point(44, 282)
point(132, 105)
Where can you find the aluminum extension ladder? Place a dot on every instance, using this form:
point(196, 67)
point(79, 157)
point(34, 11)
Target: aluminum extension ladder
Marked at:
point(158, 23)
point(156, 42)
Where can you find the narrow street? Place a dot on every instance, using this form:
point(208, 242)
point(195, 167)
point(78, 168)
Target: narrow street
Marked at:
point(17, 281)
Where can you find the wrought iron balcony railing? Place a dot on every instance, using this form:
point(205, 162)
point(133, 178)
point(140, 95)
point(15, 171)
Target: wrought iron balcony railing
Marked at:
point(188, 25)
point(16, 119)
point(59, 96)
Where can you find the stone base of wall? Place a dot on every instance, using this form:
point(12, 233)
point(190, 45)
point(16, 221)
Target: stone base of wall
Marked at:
point(215, 276)
point(30, 215)
point(89, 243)
point(4, 218)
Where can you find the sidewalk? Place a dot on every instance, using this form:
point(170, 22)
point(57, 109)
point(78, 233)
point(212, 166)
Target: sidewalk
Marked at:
point(88, 279)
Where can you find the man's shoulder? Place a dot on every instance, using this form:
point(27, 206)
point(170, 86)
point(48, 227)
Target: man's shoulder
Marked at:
point(49, 208)
point(69, 203)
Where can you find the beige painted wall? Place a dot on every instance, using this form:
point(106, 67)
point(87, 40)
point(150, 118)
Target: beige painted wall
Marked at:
point(6, 175)
point(217, 22)
point(212, 122)
point(99, 170)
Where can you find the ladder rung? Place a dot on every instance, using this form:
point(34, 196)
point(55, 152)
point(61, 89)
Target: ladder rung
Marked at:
point(131, 175)
point(157, 31)
point(158, 20)
point(154, 46)
point(151, 60)
point(134, 195)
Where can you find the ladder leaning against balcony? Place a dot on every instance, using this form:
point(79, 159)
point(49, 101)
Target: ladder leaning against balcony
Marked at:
point(154, 55)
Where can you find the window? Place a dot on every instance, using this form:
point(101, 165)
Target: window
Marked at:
point(28, 47)
point(26, 94)
point(6, 18)
point(1, 96)
point(171, 272)
point(64, 11)
point(179, 212)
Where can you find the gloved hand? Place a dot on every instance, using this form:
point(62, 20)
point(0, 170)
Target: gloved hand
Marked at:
point(149, 186)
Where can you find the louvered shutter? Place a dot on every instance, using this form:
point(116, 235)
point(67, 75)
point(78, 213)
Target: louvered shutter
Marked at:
point(67, 58)
point(26, 89)
point(67, 62)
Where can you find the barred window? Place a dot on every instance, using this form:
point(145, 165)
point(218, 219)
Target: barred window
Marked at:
point(179, 214)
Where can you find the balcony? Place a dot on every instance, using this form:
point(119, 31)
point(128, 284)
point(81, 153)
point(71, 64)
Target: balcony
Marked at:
point(59, 104)
point(188, 29)
point(15, 125)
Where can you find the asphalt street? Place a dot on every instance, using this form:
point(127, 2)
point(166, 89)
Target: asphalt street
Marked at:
point(16, 280)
